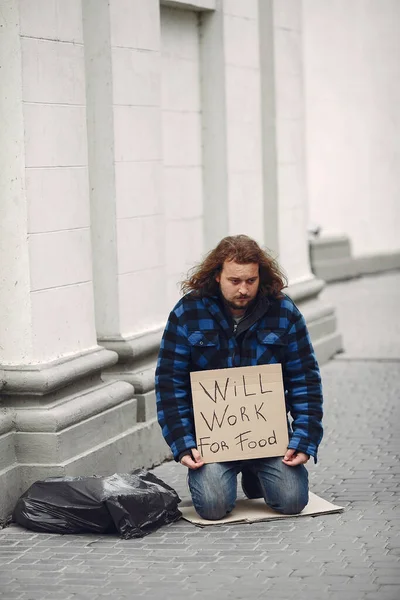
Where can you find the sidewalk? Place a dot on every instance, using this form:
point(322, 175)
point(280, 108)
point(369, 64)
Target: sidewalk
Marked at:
point(354, 555)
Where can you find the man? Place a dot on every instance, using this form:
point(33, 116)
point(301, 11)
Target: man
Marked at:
point(234, 314)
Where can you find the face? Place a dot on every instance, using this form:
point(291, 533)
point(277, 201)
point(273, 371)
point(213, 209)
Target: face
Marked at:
point(239, 285)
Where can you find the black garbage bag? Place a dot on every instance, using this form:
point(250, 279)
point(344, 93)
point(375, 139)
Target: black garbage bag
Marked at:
point(132, 504)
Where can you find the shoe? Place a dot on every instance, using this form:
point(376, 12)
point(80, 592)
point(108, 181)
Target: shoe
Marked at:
point(251, 485)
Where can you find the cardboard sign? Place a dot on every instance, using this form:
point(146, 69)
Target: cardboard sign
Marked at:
point(240, 413)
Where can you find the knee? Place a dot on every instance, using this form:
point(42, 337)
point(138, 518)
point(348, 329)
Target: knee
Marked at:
point(213, 496)
point(213, 510)
point(292, 504)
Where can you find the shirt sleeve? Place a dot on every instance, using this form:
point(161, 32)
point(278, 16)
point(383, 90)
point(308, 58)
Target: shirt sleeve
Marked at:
point(173, 391)
point(302, 381)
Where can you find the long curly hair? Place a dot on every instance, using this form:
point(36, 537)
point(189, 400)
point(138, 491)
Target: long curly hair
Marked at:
point(243, 250)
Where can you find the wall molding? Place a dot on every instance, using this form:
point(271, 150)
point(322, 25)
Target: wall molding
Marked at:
point(377, 263)
point(196, 5)
point(320, 318)
point(332, 260)
point(62, 414)
point(41, 379)
point(299, 292)
point(139, 445)
point(136, 347)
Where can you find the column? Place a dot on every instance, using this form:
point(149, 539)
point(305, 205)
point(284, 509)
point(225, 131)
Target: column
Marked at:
point(243, 118)
point(352, 94)
point(123, 87)
point(290, 140)
point(50, 360)
point(15, 315)
point(233, 175)
point(284, 165)
point(182, 135)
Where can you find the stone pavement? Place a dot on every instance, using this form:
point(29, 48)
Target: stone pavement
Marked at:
point(352, 555)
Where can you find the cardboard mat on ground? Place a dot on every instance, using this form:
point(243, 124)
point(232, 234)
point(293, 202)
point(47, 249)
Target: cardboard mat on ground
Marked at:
point(251, 511)
point(239, 413)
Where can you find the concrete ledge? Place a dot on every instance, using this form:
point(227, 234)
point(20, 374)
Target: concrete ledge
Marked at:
point(336, 270)
point(139, 446)
point(142, 380)
point(300, 292)
point(330, 257)
point(10, 482)
point(327, 346)
point(146, 408)
point(143, 383)
point(320, 318)
point(367, 265)
point(137, 358)
point(196, 5)
point(73, 409)
point(58, 427)
point(330, 247)
point(134, 348)
point(63, 445)
point(6, 421)
point(42, 379)
point(332, 260)
point(349, 268)
point(10, 490)
point(322, 326)
point(7, 450)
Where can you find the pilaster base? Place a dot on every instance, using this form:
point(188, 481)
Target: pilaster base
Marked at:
point(320, 318)
point(331, 259)
point(10, 484)
point(140, 446)
point(136, 365)
point(64, 419)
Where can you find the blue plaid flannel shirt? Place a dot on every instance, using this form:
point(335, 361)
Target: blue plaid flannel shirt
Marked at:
point(198, 335)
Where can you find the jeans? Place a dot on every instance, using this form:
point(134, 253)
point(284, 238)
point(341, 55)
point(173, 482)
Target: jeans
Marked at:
point(214, 486)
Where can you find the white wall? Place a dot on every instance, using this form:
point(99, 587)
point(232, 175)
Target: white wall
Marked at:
point(53, 92)
point(123, 81)
point(136, 71)
point(290, 141)
point(149, 72)
point(243, 118)
point(352, 76)
point(182, 144)
point(15, 302)
point(53, 264)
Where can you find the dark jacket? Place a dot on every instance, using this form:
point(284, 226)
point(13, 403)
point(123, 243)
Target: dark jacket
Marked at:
point(200, 335)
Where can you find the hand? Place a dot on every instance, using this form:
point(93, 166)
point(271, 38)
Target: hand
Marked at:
point(293, 458)
point(193, 463)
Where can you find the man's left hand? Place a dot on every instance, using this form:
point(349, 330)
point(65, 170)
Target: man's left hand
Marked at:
point(293, 458)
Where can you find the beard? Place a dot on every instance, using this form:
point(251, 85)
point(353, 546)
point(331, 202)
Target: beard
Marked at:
point(247, 301)
point(238, 305)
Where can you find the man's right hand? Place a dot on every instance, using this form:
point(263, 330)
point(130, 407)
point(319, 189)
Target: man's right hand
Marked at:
point(192, 462)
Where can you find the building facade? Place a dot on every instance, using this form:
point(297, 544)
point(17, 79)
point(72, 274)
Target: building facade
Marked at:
point(135, 134)
point(351, 55)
